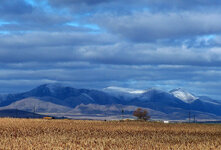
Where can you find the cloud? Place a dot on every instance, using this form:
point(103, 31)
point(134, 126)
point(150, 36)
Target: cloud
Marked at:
point(94, 44)
point(148, 27)
point(74, 2)
point(135, 54)
point(50, 39)
point(95, 75)
point(131, 5)
point(176, 5)
point(100, 49)
point(14, 7)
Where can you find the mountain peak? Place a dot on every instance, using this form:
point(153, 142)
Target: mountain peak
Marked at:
point(46, 89)
point(183, 95)
point(58, 99)
point(52, 87)
point(177, 89)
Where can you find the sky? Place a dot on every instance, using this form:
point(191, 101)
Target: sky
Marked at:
point(99, 43)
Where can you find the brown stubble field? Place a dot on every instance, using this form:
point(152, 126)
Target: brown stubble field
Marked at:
point(78, 134)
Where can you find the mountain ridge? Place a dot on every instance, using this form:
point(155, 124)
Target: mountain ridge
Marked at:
point(56, 98)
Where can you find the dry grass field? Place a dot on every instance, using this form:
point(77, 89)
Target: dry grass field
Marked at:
point(73, 134)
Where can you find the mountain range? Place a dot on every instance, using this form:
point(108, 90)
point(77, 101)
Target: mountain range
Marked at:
point(108, 103)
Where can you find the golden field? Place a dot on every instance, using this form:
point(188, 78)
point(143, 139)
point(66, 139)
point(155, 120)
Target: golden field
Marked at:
point(78, 134)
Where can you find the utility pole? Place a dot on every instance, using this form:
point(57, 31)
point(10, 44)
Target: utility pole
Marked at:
point(122, 113)
point(105, 116)
point(16, 112)
point(34, 111)
point(194, 118)
point(189, 117)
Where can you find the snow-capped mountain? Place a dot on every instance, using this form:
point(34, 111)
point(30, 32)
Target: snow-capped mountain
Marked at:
point(56, 98)
point(61, 95)
point(183, 95)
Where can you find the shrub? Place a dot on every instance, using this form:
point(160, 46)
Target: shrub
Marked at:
point(141, 114)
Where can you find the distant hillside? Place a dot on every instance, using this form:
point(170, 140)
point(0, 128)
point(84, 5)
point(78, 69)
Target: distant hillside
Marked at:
point(36, 105)
point(62, 100)
point(14, 113)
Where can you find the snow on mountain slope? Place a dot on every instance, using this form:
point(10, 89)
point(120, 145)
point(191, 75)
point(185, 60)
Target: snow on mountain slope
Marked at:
point(183, 95)
point(55, 98)
point(150, 93)
point(125, 90)
point(126, 93)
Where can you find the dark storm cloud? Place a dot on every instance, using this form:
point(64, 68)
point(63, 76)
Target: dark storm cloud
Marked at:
point(52, 39)
point(148, 27)
point(175, 5)
point(100, 49)
point(130, 5)
point(114, 73)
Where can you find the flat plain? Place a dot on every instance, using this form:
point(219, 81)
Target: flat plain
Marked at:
point(81, 134)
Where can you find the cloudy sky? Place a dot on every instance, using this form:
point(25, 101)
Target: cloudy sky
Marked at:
point(99, 43)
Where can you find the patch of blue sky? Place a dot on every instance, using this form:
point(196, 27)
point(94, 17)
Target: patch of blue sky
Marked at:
point(31, 2)
point(74, 24)
point(140, 9)
point(4, 32)
point(43, 4)
point(46, 6)
point(207, 38)
point(2, 22)
point(95, 28)
point(92, 26)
